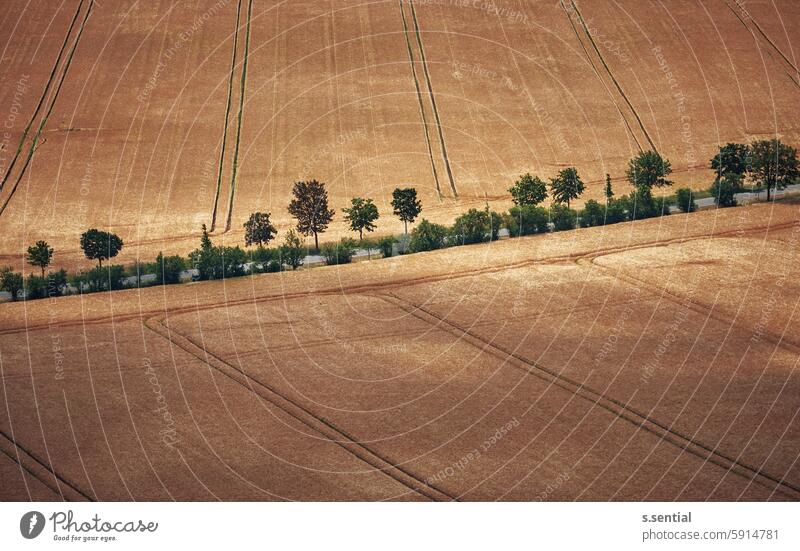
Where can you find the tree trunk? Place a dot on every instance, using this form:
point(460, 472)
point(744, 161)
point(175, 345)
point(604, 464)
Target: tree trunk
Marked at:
point(769, 187)
point(361, 235)
point(42, 272)
point(406, 224)
point(316, 241)
point(100, 260)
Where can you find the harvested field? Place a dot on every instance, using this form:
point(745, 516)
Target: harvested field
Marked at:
point(655, 360)
point(150, 119)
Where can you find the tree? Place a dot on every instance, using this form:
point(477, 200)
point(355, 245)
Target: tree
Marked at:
point(339, 253)
point(405, 205)
point(292, 250)
point(773, 165)
point(526, 220)
point(566, 186)
point(731, 159)
point(258, 230)
point(593, 214)
point(168, 269)
point(608, 191)
point(427, 236)
point(205, 240)
point(361, 215)
point(11, 282)
point(386, 246)
point(472, 227)
point(685, 200)
point(99, 245)
point(528, 191)
point(647, 170)
point(310, 207)
point(724, 189)
point(563, 218)
point(40, 255)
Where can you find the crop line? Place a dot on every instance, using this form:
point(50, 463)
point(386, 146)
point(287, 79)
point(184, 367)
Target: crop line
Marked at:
point(227, 117)
point(69, 491)
point(239, 117)
point(616, 407)
point(433, 97)
point(44, 120)
point(42, 97)
point(419, 99)
point(611, 75)
point(291, 407)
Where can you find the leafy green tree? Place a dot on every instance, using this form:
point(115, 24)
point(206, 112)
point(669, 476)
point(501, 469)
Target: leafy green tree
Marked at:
point(310, 208)
point(773, 165)
point(205, 240)
point(361, 216)
point(428, 236)
point(116, 277)
point(608, 191)
point(100, 245)
point(685, 200)
point(40, 255)
point(406, 205)
point(35, 287)
point(292, 253)
point(732, 158)
point(593, 214)
point(526, 220)
point(472, 227)
point(11, 282)
point(386, 246)
point(168, 269)
point(724, 189)
point(528, 190)
point(566, 186)
point(258, 230)
point(617, 210)
point(339, 253)
point(648, 170)
point(563, 218)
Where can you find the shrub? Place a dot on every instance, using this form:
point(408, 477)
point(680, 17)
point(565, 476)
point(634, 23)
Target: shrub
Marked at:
point(495, 223)
point(685, 200)
point(526, 220)
point(563, 218)
point(261, 258)
point(57, 283)
point(724, 190)
point(339, 253)
point(618, 210)
point(219, 262)
point(291, 252)
point(273, 266)
point(593, 214)
point(12, 282)
point(472, 227)
point(115, 277)
point(647, 206)
point(168, 269)
point(528, 191)
point(427, 236)
point(35, 287)
point(386, 246)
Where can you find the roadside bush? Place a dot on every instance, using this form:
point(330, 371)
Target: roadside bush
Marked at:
point(291, 252)
point(472, 227)
point(563, 218)
point(617, 210)
point(219, 262)
point(262, 256)
point(526, 220)
point(57, 283)
point(685, 200)
point(593, 214)
point(35, 287)
point(386, 246)
point(115, 277)
point(339, 253)
point(168, 269)
point(273, 266)
point(724, 190)
point(11, 282)
point(495, 223)
point(427, 236)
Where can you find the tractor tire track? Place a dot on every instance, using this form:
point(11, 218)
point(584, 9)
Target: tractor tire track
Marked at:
point(611, 74)
point(235, 165)
point(39, 470)
point(227, 117)
point(433, 97)
point(42, 97)
point(419, 99)
point(304, 415)
point(616, 407)
point(35, 140)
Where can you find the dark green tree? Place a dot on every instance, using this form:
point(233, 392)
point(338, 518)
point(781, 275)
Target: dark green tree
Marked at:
point(205, 240)
point(292, 253)
point(100, 245)
point(563, 218)
point(648, 170)
point(773, 165)
point(732, 158)
point(528, 190)
point(685, 200)
point(11, 282)
point(427, 236)
point(724, 189)
point(258, 230)
point(168, 269)
point(361, 216)
point(608, 191)
point(40, 255)
point(406, 205)
point(593, 214)
point(566, 186)
point(310, 208)
point(474, 226)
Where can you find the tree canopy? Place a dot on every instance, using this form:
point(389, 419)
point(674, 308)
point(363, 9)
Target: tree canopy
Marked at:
point(310, 208)
point(648, 170)
point(528, 191)
point(773, 165)
point(361, 216)
point(258, 230)
point(406, 205)
point(40, 255)
point(566, 186)
point(100, 245)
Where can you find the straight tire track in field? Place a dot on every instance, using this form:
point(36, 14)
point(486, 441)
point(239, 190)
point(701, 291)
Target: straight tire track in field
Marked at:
point(304, 415)
point(243, 85)
point(227, 117)
point(39, 470)
point(42, 97)
point(419, 99)
point(35, 139)
point(616, 407)
point(609, 71)
point(425, 71)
